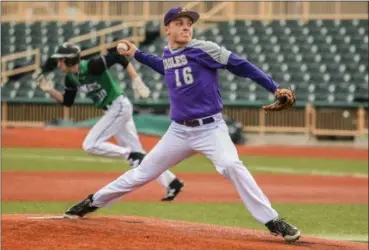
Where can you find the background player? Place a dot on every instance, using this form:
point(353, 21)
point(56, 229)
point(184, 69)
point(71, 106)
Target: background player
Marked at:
point(92, 77)
point(190, 71)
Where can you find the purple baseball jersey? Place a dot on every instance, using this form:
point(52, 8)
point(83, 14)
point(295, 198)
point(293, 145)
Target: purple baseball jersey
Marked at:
point(191, 74)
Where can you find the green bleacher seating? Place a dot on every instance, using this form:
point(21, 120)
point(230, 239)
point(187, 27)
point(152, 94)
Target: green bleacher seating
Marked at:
point(322, 60)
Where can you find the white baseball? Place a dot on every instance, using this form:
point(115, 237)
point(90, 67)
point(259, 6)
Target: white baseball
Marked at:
point(122, 46)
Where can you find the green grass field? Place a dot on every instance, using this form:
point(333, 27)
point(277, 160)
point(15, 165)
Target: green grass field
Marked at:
point(54, 160)
point(331, 221)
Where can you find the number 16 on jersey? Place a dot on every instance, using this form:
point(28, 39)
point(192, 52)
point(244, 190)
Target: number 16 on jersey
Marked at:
point(186, 76)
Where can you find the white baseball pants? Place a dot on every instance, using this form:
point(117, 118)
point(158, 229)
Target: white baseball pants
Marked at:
point(178, 143)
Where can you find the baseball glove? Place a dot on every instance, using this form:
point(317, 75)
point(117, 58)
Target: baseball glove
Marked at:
point(285, 100)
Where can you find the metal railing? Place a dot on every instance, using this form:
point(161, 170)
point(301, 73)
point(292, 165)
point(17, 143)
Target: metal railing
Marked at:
point(138, 35)
point(34, 66)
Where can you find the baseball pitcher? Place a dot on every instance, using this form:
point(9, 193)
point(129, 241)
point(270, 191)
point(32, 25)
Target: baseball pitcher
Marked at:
point(93, 77)
point(190, 68)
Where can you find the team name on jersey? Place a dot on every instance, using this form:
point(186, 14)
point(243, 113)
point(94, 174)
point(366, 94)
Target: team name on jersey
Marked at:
point(175, 62)
point(89, 87)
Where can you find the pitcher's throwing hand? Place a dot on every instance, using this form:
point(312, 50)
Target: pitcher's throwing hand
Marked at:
point(130, 51)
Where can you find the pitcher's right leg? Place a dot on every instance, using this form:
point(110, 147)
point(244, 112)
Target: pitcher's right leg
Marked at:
point(128, 138)
point(170, 150)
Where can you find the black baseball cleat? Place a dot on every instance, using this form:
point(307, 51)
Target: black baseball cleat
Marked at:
point(173, 190)
point(289, 232)
point(81, 209)
point(135, 159)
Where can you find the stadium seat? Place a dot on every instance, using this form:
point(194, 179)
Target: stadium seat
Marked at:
point(322, 59)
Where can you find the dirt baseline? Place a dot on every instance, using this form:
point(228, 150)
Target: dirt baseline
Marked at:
point(126, 232)
point(73, 138)
point(72, 186)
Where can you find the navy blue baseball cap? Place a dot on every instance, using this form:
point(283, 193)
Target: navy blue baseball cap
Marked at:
point(173, 13)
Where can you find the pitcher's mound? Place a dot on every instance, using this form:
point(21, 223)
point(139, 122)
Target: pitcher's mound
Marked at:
point(127, 232)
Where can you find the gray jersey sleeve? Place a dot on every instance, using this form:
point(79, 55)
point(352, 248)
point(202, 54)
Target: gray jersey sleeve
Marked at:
point(217, 53)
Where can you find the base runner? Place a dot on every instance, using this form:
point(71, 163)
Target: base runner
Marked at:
point(93, 77)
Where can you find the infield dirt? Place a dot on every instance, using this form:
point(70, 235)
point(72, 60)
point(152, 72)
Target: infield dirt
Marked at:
point(115, 233)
